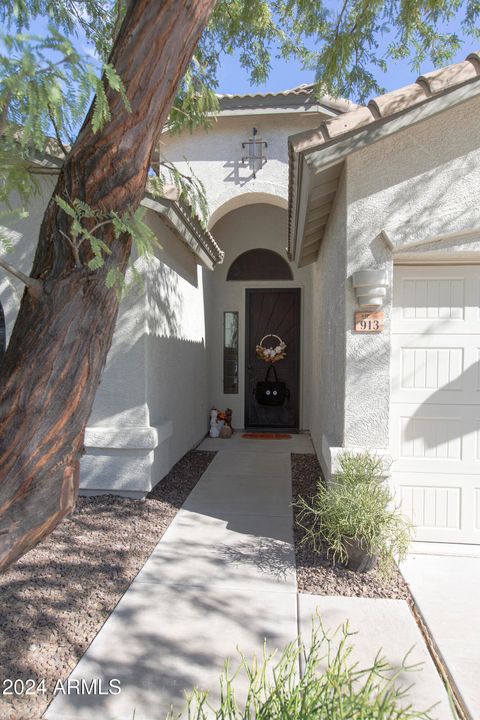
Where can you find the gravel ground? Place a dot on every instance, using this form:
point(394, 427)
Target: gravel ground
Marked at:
point(315, 572)
point(56, 598)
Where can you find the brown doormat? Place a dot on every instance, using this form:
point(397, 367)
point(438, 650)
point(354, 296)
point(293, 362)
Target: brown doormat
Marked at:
point(266, 436)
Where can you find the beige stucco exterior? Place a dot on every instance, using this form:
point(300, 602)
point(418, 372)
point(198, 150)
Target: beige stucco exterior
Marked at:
point(164, 369)
point(410, 197)
point(398, 198)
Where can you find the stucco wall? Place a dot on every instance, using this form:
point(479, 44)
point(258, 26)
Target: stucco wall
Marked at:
point(253, 226)
point(418, 184)
point(215, 157)
point(327, 380)
point(24, 237)
point(151, 404)
point(177, 357)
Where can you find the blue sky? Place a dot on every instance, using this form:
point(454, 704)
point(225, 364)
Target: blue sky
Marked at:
point(284, 75)
point(233, 79)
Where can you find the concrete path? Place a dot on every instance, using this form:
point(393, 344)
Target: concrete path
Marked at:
point(222, 578)
point(447, 592)
point(387, 626)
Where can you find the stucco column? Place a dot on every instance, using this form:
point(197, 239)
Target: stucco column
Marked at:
point(367, 378)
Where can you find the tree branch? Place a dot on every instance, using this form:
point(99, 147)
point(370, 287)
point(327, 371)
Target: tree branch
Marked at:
point(74, 247)
point(57, 134)
point(4, 113)
point(35, 287)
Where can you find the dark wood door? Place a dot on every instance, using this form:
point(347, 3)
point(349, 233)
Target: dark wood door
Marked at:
point(275, 312)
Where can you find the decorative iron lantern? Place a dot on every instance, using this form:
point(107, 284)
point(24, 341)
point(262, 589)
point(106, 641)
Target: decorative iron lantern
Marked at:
point(256, 158)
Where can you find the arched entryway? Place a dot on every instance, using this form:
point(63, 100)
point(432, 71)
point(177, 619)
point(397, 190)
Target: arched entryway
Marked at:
point(256, 292)
point(259, 264)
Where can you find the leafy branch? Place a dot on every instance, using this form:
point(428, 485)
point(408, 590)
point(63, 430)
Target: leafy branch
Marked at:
point(190, 188)
point(80, 234)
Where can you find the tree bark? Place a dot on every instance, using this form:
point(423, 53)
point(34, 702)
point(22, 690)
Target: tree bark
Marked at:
point(60, 341)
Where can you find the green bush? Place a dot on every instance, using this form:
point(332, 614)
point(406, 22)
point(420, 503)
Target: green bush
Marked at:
point(357, 505)
point(331, 687)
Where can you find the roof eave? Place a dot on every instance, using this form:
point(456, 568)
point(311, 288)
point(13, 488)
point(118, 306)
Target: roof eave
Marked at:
point(277, 110)
point(311, 152)
point(187, 229)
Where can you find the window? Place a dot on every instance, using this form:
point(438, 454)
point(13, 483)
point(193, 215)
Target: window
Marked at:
point(3, 336)
point(259, 264)
point(230, 353)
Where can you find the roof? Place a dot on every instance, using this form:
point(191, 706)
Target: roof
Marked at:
point(175, 212)
point(302, 98)
point(187, 226)
point(316, 156)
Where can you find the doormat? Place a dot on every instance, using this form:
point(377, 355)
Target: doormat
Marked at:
point(266, 436)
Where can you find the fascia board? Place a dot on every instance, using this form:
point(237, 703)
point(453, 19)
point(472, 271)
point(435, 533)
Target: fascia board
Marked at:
point(335, 150)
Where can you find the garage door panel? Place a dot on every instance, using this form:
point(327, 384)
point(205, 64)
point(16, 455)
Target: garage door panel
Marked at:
point(440, 507)
point(436, 370)
point(427, 436)
point(435, 401)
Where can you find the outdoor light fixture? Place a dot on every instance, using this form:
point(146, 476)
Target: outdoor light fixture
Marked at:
point(370, 287)
point(255, 158)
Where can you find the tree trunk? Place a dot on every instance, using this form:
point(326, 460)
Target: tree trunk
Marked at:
point(59, 345)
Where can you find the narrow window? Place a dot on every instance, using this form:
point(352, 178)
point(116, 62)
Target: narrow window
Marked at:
point(230, 353)
point(3, 335)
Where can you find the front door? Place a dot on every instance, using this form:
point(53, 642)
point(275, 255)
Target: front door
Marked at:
point(273, 313)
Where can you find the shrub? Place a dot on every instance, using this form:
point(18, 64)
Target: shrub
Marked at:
point(357, 506)
point(330, 688)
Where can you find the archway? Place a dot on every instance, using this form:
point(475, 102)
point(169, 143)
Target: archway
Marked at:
point(259, 264)
point(243, 199)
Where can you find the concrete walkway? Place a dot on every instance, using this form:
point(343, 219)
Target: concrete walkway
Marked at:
point(222, 578)
point(446, 589)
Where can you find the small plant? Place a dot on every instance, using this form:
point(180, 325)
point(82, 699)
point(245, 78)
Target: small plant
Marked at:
point(356, 513)
point(331, 687)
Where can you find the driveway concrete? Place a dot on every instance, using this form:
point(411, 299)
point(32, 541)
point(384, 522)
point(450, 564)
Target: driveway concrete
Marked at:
point(222, 578)
point(447, 592)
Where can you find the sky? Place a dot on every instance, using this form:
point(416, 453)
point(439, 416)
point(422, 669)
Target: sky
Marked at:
point(284, 75)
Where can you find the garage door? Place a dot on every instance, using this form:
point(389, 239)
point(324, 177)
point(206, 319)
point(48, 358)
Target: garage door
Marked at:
point(435, 408)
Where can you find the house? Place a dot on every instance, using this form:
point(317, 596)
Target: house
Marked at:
point(351, 235)
point(165, 367)
point(384, 209)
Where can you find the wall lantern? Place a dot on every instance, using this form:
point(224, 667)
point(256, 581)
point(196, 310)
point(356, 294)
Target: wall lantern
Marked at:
point(255, 158)
point(370, 287)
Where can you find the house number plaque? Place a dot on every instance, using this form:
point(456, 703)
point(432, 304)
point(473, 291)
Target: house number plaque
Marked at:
point(369, 322)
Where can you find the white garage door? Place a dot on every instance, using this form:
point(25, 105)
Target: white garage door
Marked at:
point(435, 409)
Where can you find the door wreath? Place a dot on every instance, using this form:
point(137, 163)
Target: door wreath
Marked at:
point(271, 354)
point(271, 392)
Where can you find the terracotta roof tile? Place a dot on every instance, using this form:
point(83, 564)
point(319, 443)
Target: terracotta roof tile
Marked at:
point(474, 58)
point(451, 76)
point(398, 100)
point(307, 89)
point(347, 122)
point(380, 109)
point(426, 87)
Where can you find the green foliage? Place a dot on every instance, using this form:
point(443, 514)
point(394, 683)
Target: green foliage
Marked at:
point(359, 505)
point(9, 217)
point(45, 89)
point(340, 41)
point(96, 18)
point(332, 686)
point(84, 227)
point(191, 190)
